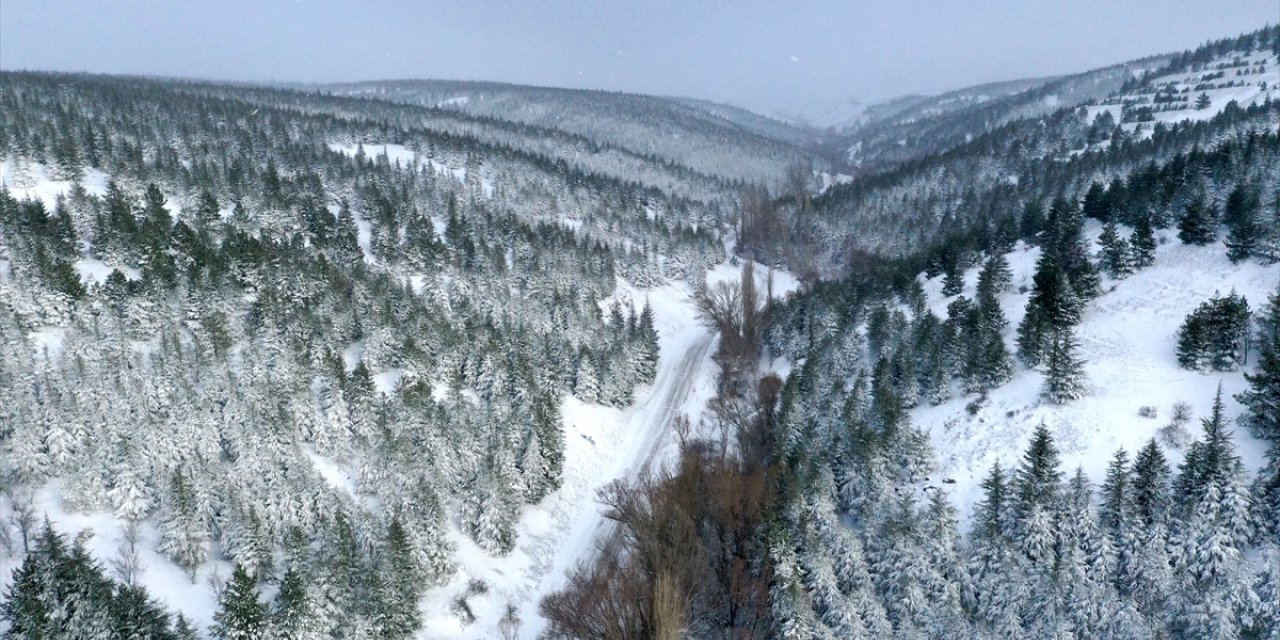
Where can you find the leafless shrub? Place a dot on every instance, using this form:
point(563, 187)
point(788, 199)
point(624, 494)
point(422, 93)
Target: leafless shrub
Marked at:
point(477, 586)
point(1181, 413)
point(509, 625)
point(126, 564)
point(462, 610)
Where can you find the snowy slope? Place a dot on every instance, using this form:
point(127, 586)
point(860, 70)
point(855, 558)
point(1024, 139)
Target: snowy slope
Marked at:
point(1245, 78)
point(1127, 336)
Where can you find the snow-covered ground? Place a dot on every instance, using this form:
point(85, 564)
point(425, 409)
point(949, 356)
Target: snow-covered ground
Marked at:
point(1127, 337)
point(410, 159)
point(34, 180)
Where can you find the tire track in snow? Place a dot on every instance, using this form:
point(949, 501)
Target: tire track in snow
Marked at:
point(652, 421)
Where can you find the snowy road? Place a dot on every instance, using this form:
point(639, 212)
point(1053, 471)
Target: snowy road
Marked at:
point(655, 416)
point(651, 442)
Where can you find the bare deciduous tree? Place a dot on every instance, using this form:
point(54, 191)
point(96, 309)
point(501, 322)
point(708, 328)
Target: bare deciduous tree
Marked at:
point(126, 564)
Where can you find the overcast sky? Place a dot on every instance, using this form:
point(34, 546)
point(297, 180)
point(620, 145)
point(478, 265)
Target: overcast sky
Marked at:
point(773, 56)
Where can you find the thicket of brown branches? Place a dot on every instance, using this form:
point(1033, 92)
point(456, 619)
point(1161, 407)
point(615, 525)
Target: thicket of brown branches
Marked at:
point(689, 556)
point(737, 311)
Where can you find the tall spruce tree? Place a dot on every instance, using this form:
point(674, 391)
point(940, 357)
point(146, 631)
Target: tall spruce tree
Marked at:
point(1261, 402)
point(1199, 222)
point(1262, 399)
point(1142, 244)
point(1116, 257)
point(1037, 483)
point(240, 615)
point(1064, 378)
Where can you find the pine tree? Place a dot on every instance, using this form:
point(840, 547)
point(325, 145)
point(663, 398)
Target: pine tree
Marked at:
point(1198, 224)
point(1209, 461)
point(1037, 483)
point(240, 615)
point(1244, 234)
point(587, 382)
point(207, 210)
point(1208, 565)
point(401, 585)
point(1150, 485)
point(1116, 253)
point(1052, 306)
point(1033, 335)
point(1142, 244)
point(183, 536)
point(995, 278)
point(1193, 342)
point(1032, 222)
point(1064, 370)
point(136, 615)
point(1265, 615)
point(59, 591)
point(995, 367)
point(1261, 402)
point(991, 519)
point(489, 511)
point(1094, 204)
point(1262, 399)
point(293, 611)
point(549, 439)
point(648, 365)
point(183, 629)
point(1215, 335)
point(1116, 499)
point(953, 275)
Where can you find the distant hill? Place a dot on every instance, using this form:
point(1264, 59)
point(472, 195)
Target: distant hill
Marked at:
point(709, 138)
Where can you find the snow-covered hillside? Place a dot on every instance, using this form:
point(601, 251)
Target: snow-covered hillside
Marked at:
point(601, 444)
point(1127, 338)
point(1199, 93)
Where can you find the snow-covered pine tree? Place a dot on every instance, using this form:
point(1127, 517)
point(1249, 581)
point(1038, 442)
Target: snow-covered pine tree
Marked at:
point(1262, 399)
point(1038, 480)
point(586, 382)
point(1199, 222)
point(648, 333)
point(1116, 255)
point(1142, 244)
point(1215, 335)
point(401, 584)
point(184, 538)
point(489, 511)
point(1116, 513)
point(240, 615)
point(293, 615)
point(1064, 378)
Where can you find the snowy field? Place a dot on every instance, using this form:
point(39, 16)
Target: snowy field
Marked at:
point(1128, 339)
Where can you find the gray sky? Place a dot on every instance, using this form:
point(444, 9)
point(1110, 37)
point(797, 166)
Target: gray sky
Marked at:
point(798, 56)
